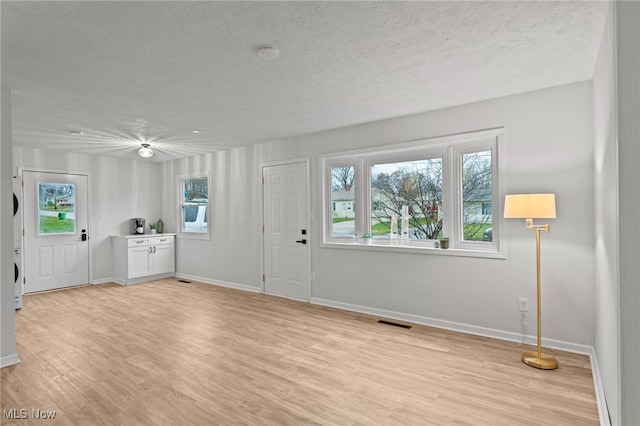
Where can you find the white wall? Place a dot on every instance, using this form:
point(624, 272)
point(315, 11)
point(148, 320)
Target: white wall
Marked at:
point(628, 108)
point(7, 310)
point(547, 148)
point(606, 340)
point(119, 190)
point(232, 254)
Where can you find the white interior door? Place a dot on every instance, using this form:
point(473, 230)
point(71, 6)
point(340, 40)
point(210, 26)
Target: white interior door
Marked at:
point(286, 232)
point(56, 246)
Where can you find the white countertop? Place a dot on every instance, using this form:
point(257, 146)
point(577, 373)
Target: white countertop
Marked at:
point(164, 234)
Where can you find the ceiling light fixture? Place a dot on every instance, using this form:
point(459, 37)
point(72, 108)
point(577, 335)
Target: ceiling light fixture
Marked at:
point(197, 132)
point(145, 151)
point(76, 132)
point(268, 52)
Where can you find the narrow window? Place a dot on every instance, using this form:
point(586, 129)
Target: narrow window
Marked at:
point(195, 205)
point(342, 201)
point(477, 196)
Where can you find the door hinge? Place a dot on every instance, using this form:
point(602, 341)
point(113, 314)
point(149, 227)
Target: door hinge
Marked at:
point(263, 180)
point(263, 278)
point(263, 229)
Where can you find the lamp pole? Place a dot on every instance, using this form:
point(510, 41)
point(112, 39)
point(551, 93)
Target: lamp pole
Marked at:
point(538, 359)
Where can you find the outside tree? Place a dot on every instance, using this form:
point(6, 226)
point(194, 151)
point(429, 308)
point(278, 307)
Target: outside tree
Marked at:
point(196, 189)
point(418, 184)
point(342, 178)
point(476, 194)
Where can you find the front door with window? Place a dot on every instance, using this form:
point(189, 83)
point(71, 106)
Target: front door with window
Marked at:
point(56, 246)
point(286, 233)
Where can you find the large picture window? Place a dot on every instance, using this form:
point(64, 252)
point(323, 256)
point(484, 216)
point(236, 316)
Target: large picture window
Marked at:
point(445, 187)
point(194, 205)
point(416, 184)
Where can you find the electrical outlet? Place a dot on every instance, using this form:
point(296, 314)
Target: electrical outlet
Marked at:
point(523, 304)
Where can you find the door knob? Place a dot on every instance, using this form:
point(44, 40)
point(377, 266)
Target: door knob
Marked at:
point(301, 241)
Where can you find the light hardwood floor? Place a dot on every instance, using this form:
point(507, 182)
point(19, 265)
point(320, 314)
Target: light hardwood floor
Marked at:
point(170, 353)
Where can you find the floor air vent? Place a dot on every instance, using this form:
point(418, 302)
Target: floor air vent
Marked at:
point(184, 281)
point(395, 324)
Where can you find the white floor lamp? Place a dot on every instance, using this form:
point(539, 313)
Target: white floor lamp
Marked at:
point(529, 207)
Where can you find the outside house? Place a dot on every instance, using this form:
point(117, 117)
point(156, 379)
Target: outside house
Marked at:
point(343, 204)
point(66, 201)
point(477, 207)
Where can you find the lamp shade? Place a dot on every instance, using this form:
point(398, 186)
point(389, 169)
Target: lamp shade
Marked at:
point(145, 151)
point(530, 206)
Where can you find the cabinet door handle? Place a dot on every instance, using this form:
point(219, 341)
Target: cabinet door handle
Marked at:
point(150, 250)
point(154, 249)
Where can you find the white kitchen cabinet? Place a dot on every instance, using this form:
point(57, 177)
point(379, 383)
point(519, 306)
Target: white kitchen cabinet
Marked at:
point(139, 258)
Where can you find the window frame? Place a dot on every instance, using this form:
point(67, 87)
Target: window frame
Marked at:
point(400, 157)
point(450, 149)
point(345, 161)
point(181, 204)
point(496, 221)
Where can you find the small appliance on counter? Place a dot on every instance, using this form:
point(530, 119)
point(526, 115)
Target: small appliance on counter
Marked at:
point(136, 225)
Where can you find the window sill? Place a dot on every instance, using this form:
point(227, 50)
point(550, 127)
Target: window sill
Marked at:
point(402, 247)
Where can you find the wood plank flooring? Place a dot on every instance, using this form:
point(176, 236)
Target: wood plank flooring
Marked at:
point(172, 353)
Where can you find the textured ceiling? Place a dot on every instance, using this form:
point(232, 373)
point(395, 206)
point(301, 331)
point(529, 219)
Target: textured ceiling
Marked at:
point(127, 72)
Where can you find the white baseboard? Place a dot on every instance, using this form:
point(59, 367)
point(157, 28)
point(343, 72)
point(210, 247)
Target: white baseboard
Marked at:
point(603, 409)
point(220, 283)
point(8, 360)
point(103, 280)
point(456, 326)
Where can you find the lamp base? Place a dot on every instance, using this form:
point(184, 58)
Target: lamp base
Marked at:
point(545, 362)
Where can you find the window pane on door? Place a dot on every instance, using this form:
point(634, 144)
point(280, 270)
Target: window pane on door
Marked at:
point(56, 208)
point(416, 184)
point(477, 196)
point(343, 201)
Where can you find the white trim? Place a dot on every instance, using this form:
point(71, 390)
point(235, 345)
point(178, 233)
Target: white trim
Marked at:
point(601, 399)
point(457, 232)
point(8, 360)
point(399, 247)
point(220, 283)
point(283, 162)
point(432, 142)
point(21, 171)
point(104, 281)
point(455, 326)
point(261, 167)
point(449, 149)
point(146, 278)
point(180, 207)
